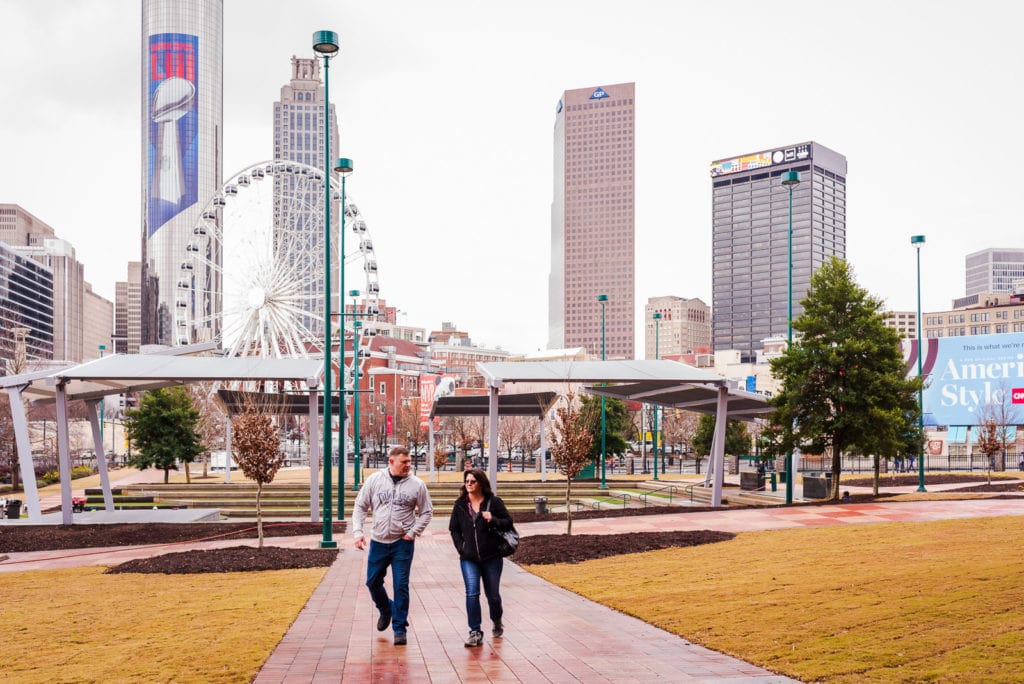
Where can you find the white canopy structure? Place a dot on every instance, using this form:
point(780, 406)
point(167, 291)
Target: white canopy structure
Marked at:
point(662, 383)
point(118, 374)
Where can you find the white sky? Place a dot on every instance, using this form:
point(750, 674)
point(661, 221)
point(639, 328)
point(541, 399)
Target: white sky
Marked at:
point(447, 108)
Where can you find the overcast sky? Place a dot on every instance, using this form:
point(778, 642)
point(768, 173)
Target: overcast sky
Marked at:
point(447, 109)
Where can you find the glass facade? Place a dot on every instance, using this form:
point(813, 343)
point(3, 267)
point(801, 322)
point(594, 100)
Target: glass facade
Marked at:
point(26, 301)
point(750, 240)
point(182, 124)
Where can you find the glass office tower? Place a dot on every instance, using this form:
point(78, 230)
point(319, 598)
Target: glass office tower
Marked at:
point(182, 134)
point(592, 222)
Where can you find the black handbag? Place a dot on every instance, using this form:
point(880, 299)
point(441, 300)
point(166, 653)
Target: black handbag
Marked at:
point(508, 540)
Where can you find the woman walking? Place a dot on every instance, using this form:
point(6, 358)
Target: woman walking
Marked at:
point(476, 519)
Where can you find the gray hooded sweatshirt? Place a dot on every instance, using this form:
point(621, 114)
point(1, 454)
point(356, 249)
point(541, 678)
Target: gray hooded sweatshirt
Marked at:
point(394, 506)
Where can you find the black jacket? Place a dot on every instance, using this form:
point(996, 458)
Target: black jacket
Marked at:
point(475, 538)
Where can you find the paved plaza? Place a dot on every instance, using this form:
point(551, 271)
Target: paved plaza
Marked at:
point(551, 635)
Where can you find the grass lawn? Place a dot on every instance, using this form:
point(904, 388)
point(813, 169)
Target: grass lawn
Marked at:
point(935, 601)
point(81, 625)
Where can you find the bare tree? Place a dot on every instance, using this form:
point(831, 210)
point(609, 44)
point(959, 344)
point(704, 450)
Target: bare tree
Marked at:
point(570, 446)
point(257, 450)
point(212, 421)
point(680, 427)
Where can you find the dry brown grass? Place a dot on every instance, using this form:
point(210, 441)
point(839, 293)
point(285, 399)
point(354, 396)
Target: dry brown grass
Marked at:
point(936, 601)
point(81, 625)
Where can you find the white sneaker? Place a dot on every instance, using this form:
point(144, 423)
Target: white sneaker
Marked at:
point(475, 639)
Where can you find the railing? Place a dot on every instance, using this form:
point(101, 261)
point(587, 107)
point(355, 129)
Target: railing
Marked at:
point(626, 498)
point(672, 489)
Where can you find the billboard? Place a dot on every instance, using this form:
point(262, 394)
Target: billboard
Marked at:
point(963, 374)
point(759, 160)
point(173, 123)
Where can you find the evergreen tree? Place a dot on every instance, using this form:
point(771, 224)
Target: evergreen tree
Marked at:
point(737, 439)
point(618, 424)
point(845, 387)
point(164, 428)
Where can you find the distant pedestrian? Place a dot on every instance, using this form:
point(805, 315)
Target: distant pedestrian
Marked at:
point(476, 518)
point(846, 497)
point(401, 510)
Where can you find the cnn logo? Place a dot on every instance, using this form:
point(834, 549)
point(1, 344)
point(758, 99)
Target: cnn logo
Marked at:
point(1018, 395)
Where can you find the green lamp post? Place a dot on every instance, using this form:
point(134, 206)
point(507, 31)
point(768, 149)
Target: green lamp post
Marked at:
point(790, 179)
point(357, 449)
point(917, 241)
point(343, 167)
point(603, 299)
point(325, 44)
point(657, 354)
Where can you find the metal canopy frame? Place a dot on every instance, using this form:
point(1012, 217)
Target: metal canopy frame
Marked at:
point(527, 404)
point(661, 382)
point(120, 373)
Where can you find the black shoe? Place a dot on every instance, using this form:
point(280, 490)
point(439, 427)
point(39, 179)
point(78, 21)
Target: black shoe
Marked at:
point(498, 629)
point(399, 638)
point(383, 621)
point(475, 639)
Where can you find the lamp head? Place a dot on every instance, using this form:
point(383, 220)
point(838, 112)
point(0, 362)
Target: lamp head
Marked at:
point(602, 298)
point(656, 315)
point(791, 178)
point(325, 43)
point(343, 166)
point(917, 240)
point(353, 293)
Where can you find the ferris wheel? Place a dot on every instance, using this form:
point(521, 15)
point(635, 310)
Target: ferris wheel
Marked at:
point(252, 274)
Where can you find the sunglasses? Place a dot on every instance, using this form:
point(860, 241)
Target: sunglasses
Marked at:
point(471, 481)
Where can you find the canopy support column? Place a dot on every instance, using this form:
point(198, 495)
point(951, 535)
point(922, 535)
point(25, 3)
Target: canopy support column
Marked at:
point(492, 437)
point(21, 437)
point(718, 452)
point(101, 456)
point(64, 454)
point(312, 434)
point(430, 449)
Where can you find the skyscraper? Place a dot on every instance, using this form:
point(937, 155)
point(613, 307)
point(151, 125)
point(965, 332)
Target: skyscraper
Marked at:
point(993, 271)
point(298, 207)
point(592, 221)
point(182, 133)
point(750, 233)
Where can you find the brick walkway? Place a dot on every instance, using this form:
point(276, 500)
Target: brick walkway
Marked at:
point(551, 635)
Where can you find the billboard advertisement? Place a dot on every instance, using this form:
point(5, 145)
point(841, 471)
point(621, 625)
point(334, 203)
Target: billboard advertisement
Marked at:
point(963, 374)
point(428, 383)
point(173, 122)
point(760, 160)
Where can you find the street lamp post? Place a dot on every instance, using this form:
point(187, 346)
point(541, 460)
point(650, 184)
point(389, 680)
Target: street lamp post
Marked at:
point(657, 355)
point(603, 298)
point(357, 476)
point(917, 241)
point(790, 179)
point(325, 43)
point(344, 168)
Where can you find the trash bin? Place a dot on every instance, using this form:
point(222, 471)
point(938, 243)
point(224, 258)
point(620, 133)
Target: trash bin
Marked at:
point(13, 509)
point(540, 504)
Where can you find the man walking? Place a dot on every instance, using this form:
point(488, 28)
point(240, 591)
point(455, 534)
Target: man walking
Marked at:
point(401, 510)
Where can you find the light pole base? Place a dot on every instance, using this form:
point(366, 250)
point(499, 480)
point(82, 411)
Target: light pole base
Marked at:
point(922, 489)
point(328, 544)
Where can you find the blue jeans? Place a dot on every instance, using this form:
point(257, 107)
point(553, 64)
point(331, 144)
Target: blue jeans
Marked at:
point(397, 555)
point(490, 572)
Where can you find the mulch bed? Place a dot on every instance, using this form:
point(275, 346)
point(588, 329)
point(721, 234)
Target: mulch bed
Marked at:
point(21, 538)
point(546, 549)
point(231, 559)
